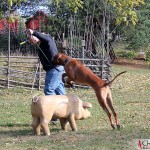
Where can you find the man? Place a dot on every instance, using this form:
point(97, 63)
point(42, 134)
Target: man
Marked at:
point(47, 51)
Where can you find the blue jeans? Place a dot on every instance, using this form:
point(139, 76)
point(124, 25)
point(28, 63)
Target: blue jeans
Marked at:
point(53, 82)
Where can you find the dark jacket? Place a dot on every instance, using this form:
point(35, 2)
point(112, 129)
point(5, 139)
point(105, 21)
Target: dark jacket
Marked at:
point(47, 50)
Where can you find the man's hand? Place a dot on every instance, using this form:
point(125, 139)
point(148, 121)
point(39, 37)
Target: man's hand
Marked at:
point(31, 38)
point(29, 32)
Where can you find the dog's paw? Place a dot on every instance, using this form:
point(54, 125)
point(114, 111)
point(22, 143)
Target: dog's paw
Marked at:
point(67, 85)
point(113, 126)
point(73, 86)
point(64, 79)
point(118, 126)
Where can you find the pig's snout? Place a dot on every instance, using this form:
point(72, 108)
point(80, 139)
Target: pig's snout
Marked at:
point(86, 112)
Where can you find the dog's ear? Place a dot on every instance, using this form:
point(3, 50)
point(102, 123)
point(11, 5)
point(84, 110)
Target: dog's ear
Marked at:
point(58, 59)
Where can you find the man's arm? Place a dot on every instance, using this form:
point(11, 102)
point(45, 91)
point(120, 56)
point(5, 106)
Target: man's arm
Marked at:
point(40, 36)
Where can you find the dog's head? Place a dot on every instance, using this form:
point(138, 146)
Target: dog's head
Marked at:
point(61, 59)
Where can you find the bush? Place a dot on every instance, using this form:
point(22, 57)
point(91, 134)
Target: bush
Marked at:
point(129, 54)
point(147, 55)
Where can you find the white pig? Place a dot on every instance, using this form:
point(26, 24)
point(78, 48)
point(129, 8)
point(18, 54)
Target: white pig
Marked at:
point(66, 108)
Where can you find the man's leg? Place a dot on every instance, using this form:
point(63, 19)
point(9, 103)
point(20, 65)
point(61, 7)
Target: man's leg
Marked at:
point(51, 82)
point(60, 90)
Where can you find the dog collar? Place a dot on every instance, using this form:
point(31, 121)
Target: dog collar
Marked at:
point(66, 60)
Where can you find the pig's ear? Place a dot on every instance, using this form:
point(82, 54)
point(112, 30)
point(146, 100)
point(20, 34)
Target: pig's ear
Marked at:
point(86, 105)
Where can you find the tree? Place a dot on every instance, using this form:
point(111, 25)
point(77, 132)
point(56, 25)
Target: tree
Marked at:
point(73, 4)
point(9, 6)
point(138, 36)
point(126, 10)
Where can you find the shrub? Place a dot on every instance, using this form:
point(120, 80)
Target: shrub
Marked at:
point(129, 54)
point(147, 55)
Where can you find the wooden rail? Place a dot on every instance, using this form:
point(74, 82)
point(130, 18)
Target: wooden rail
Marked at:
point(27, 72)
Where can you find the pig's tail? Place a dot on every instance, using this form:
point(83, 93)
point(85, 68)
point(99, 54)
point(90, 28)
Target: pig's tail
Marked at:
point(35, 99)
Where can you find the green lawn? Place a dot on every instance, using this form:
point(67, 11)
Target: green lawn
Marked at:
point(132, 102)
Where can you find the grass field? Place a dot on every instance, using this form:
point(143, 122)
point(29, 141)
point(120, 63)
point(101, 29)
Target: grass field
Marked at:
point(132, 102)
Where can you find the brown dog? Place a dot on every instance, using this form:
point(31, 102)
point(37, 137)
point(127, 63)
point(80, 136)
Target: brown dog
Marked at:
point(78, 73)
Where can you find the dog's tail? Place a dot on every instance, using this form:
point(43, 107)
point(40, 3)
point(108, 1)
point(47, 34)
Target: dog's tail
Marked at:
point(108, 83)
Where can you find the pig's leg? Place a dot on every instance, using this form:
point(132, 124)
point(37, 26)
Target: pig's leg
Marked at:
point(44, 124)
point(72, 122)
point(63, 122)
point(36, 125)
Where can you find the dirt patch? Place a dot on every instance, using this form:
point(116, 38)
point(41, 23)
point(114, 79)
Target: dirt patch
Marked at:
point(133, 63)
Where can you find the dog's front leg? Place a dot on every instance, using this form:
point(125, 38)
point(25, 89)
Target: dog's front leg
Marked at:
point(67, 81)
point(70, 83)
point(63, 77)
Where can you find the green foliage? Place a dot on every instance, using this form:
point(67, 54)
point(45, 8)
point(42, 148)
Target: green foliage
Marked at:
point(9, 6)
point(137, 39)
point(126, 10)
point(129, 54)
point(55, 27)
point(73, 4)
point(122, 51)
point(138, 36)
point(147, 54)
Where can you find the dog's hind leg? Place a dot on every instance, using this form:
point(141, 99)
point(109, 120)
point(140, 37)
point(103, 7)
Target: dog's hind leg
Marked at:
point(109, 115)
point(102, 102)
point(110, 104)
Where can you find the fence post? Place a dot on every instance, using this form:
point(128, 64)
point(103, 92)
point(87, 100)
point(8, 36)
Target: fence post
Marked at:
point(8, 69)
point(83, 45)
point(39, 73)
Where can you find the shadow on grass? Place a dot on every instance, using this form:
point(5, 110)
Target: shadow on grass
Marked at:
point(14, 125)
point(14, 130)
point(16, 133)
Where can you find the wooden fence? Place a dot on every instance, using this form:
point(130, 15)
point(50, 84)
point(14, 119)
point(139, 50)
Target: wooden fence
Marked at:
point(27, 72)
